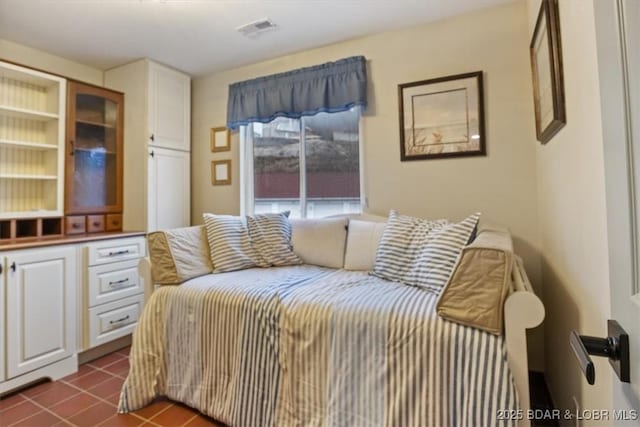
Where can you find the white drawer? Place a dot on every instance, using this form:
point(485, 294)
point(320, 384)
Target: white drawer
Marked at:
point(111, 282)
point(107, 251)
point(114, 319)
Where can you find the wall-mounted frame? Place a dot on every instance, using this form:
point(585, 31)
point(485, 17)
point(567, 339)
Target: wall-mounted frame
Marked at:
point(221, 172)
point(546, 67)
point(220, 139)
point(442, 117)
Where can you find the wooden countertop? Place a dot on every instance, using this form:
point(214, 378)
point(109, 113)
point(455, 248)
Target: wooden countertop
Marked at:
point(10, 245)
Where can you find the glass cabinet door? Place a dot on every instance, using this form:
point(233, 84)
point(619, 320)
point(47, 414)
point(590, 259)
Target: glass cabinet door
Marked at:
point(94, 156)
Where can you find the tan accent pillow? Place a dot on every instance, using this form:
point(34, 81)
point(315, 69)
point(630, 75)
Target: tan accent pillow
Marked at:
point(480, 283)
point(179, 254)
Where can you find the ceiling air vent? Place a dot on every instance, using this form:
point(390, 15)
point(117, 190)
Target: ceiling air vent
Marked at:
point(254, 29)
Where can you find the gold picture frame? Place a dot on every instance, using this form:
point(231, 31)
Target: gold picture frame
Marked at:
point(220, 139)
point(221, 172)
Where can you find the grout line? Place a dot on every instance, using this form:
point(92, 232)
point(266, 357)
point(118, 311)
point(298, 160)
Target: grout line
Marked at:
point(54, 404)
point(45, 409)
point(159, 412)
point(15, 404)
point(190, 419)
point(108, 364)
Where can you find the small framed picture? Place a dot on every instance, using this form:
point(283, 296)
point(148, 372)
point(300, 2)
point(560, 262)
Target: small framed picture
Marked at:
point(442, 117)
point(546, 67)
point(221, 172)
point(220, 139)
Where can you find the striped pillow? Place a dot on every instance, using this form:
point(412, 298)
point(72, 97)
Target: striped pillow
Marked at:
point(421, 252)
point(270, 236)
point(229, 244)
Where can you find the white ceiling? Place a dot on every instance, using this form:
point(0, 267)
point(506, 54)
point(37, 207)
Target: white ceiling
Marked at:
point(199, 36)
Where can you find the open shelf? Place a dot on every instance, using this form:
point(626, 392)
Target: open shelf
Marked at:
point(32, 142)
point(5, 229)
point(32, 177)
point(30, 228)
point(26, 228)
point(51, 227)
point(28, 144)
point(25, 113)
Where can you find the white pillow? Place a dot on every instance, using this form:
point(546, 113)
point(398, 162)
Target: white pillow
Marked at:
point(362, 243)
point(320, 241)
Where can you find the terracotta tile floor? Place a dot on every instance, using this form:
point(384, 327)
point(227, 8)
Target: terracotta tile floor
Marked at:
point(90, 398)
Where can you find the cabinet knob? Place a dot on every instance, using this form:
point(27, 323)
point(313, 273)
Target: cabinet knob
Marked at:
point(152, 137)
point(152, 154)
point(13, 267)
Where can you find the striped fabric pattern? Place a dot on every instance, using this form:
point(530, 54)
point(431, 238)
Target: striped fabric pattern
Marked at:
point(421, 252)
point(229, 244)
point(308, 346)
point(270, 236)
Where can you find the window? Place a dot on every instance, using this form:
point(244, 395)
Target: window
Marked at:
point(309, 166)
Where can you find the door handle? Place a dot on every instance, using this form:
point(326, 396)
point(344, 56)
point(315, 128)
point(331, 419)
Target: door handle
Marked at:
point(615, 347)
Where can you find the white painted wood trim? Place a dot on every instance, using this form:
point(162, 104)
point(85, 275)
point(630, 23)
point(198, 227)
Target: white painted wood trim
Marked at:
point(54, 371)
point(523, 310)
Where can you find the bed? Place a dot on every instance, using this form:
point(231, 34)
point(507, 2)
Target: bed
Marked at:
point(312, 346)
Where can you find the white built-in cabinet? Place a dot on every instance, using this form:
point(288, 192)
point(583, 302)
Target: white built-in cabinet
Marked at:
point(157, 162)
point(168, 172)
point(169, 108)
point(32, 124)
point(113, 299)
point(38, 295)
point(57, 301)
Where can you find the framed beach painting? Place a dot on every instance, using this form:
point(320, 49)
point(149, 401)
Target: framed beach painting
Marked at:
point(442, 117)
point(546, 67)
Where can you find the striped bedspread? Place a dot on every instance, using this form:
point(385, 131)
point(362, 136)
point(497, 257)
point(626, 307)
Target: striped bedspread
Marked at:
point(307, 346)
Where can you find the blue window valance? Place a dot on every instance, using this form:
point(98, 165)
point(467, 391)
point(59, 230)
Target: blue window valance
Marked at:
point(331, 87)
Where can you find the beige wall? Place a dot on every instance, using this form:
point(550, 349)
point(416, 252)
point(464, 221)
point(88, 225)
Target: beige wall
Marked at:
point(502, 185)
point(572, 214)
point(45, 61)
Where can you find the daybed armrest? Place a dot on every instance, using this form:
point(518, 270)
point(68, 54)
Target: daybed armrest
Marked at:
point(523, 310)
point(178, 255)
point(144, 269)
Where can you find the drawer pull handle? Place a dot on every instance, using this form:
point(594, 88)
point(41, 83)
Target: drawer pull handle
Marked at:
point(122, 319)
point(126, 251)
point(75, 225)
point(96, 224)
point(118, 282)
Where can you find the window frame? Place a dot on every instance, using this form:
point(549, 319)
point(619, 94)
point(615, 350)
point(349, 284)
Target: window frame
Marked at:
point(247, 199)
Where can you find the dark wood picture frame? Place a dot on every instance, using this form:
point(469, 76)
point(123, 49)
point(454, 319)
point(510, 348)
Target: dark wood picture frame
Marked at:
point(468, 136)
point(219, 180)
point(548, 80)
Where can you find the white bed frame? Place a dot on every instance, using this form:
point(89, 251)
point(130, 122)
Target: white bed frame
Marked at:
point(523, 310)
